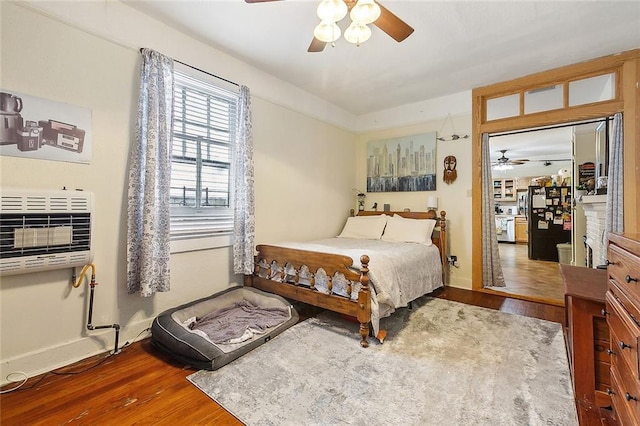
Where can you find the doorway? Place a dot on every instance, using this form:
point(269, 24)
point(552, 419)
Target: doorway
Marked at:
point(522, 160)
point(517, 99)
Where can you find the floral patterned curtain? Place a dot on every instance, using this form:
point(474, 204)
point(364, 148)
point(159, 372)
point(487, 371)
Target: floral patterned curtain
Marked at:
point(244, 202)
point(148, 249)
point(614, 216)
point(491, 268)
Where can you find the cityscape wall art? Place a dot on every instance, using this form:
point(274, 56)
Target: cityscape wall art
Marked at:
point(406, 163)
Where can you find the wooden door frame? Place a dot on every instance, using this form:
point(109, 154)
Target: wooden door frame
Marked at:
point(625, 65)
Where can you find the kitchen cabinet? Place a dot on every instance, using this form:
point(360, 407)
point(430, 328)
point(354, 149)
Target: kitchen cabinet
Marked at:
point(522, 234)
point(523, 182)
point(504, 189)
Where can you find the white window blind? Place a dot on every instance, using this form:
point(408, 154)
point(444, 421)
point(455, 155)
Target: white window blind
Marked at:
point(204, 124)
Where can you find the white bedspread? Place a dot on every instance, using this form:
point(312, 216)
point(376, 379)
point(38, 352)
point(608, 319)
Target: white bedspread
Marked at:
point(399, 272)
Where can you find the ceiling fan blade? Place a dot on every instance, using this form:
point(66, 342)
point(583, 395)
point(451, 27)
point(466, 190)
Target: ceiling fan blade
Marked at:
point(392, 25)
point(316, 45)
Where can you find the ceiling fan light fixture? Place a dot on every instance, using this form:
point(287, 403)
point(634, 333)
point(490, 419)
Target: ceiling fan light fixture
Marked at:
point(365, 12)
point(502, 167)
point(327, 31)
point(332, 10)
point(357, 33)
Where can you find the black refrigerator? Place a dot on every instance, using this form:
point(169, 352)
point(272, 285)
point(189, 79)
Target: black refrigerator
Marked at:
point(549, 220)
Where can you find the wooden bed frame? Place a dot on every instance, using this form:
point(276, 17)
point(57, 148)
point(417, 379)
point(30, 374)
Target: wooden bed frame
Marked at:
point(332, 263)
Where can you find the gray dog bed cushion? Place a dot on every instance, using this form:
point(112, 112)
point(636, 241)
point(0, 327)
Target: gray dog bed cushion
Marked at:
point(170, 331)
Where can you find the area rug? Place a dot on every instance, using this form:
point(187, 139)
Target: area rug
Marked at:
point(443, 363)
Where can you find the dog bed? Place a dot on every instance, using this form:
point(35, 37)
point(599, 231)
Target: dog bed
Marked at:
point(170, 330)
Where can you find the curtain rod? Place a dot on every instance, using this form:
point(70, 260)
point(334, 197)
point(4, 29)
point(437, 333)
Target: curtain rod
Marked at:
point(202, 71)
point(559, 126)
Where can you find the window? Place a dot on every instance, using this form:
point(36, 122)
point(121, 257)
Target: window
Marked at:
point(204, 125)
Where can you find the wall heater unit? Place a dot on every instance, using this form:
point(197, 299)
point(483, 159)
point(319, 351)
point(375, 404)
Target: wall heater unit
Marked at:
point(43, 230)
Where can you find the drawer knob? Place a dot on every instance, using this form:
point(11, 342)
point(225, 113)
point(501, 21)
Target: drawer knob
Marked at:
point(624, 345)
point(629, 397)
point(629, 278)
point(604, 312)
point(610, 352)
point(608, 262)
point(610, 392)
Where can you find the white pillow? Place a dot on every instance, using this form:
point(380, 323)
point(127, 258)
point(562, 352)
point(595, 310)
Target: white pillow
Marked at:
point(367, 227)
point(400, 229)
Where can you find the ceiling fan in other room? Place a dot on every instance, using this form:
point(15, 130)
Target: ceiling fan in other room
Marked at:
point(504, 163)
point(362, 13)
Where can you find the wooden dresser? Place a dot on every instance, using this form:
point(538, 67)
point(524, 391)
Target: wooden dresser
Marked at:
point(588, 341)
point(623, 318)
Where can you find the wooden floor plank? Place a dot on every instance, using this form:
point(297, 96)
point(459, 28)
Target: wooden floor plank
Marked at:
point(535, 279)
point(142, 385)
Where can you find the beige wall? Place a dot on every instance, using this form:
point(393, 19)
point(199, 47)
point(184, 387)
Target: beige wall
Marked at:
point(303, 177)
point(584, 149)
point(302, 165)
point(454, 198)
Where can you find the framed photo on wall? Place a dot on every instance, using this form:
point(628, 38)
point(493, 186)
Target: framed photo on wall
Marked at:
point(43, 129)
point(401, 164)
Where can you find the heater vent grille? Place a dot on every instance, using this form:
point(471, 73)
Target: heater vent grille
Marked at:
point(41, 230)
point(44, 203)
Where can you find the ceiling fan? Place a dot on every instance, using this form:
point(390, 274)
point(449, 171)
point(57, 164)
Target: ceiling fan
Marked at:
point(395, 27)
point(550, 162)
point(505, 161)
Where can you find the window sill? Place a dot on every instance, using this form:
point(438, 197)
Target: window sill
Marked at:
point(194, 244)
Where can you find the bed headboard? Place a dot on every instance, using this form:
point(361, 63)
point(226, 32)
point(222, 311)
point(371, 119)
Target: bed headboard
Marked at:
point(439, 236)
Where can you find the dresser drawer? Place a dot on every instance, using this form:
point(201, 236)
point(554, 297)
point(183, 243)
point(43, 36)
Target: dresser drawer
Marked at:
point(632, 308)
point(625, 398)
point(624, 268)
point(625, 335)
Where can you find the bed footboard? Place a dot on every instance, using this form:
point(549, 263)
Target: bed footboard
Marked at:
point(294, 274)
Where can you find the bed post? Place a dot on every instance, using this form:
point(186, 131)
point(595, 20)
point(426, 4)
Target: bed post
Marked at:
point(248, 280)
point(443, 245)
point(364, 301)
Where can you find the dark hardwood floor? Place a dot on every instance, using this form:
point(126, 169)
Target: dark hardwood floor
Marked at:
point(140, 386)
point(143, 386)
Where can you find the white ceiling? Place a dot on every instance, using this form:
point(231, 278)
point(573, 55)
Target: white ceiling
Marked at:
point(456, 46)
point(548, 150)
point(539, 147)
